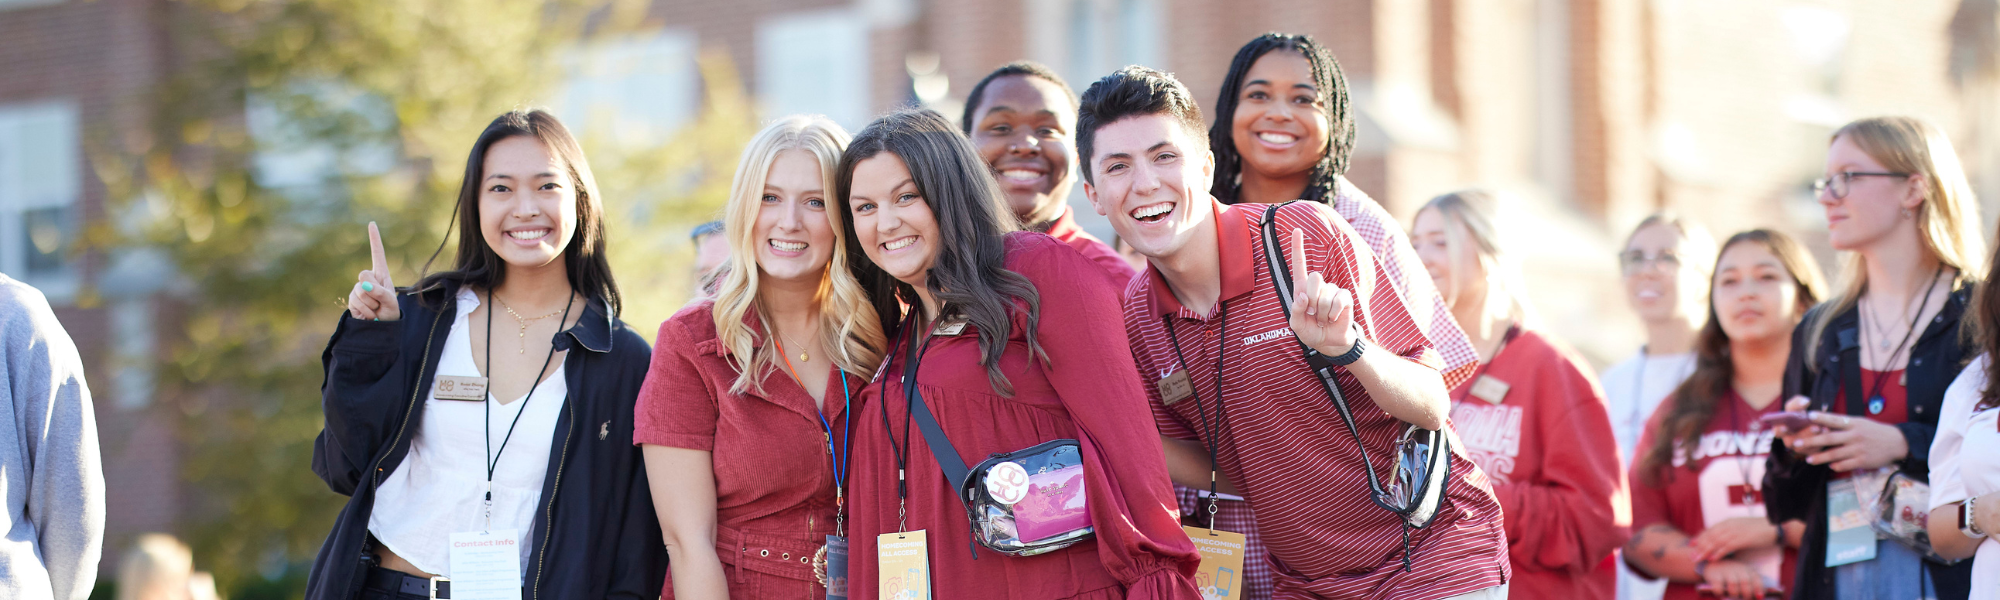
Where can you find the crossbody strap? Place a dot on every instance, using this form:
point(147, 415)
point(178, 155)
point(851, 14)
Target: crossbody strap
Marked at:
point(1281, 276)
point(947, 456)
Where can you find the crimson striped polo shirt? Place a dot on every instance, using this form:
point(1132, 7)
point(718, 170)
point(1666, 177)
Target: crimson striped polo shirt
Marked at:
point(1282, 441)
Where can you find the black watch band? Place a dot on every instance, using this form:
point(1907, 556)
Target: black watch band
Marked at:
point(1321, 362)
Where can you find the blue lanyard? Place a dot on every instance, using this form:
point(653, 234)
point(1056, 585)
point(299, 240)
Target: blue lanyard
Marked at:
point(842, 454)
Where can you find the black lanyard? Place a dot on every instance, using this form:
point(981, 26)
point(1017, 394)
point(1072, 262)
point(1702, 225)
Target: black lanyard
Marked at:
point(1876, 391)
point(902, 451)
point(1514, 331)
point(1211, 427)
point(493, 460)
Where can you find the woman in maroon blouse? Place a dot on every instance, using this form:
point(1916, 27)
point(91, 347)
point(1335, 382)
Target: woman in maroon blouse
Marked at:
point(745, 413)
point(1031, 348)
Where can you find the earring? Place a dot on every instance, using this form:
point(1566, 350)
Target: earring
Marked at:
point(1907, 214)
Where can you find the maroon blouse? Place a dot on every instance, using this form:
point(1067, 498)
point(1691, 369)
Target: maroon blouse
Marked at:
point(1087, 390)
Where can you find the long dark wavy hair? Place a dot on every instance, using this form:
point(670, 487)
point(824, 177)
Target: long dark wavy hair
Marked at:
point(1693, 404)
point(1332, 84)
point(477, 265)
point(968, 277)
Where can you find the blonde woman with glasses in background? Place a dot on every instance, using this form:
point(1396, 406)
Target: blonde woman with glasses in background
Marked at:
point(1872, 362)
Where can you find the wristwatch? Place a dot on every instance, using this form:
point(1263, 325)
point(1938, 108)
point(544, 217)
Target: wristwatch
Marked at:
point(1321, 362)
point(1966, 523)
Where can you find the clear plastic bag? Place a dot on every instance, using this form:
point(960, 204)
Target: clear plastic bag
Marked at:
point(1030, 501)
point(1899, 509)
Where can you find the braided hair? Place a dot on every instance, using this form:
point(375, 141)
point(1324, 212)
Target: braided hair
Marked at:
point(1325, 179)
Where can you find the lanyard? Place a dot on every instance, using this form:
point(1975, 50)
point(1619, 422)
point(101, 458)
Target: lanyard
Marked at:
point(840, 455)
point(1507, 337)
point(902, 451)
point(1876, 392)
point(493, 461)
point(1221, 346)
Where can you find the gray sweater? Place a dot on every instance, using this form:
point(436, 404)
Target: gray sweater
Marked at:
point(51, 480)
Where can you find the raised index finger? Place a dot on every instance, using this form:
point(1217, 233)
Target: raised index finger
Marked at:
point(1298, 257)
point(375, 253)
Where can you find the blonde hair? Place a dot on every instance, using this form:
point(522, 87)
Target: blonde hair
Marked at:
point(846, 320)
point(1947, 220)
point(1503, 275)
point(156, 568)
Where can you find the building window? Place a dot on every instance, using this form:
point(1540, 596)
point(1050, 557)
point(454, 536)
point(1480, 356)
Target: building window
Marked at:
point(1085, 39)
point(631, 91)
point(815, 63)
point(41, 181)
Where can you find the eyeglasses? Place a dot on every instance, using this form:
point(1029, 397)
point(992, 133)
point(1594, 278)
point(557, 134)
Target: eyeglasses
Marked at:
point(1635, 261)
point(1837, 184)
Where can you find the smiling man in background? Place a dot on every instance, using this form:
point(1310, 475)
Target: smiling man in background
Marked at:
point(1022, 119)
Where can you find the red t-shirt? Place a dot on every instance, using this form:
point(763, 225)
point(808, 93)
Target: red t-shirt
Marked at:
point(1284, 444)
point(1118, 272)
point(1723, 479)
point(1895, 397)
point(1540, 428)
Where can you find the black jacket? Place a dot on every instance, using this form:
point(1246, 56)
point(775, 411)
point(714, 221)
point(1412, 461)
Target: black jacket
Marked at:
point(595, 535)
point(1794, 489)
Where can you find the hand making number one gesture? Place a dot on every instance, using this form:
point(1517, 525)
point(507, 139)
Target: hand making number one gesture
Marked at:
point(1322, 313)
point(374, 296)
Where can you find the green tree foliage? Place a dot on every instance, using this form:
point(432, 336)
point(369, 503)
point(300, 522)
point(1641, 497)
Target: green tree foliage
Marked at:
point(385, 97)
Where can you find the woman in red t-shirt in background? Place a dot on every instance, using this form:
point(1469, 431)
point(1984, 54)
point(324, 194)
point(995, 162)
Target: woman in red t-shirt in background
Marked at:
point(1532, 416)
point(1700, 469)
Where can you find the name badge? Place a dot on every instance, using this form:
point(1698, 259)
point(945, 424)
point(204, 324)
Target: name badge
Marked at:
point(835, 576)
point(1175, 387)
point(905, 566)
point(486, 565)
point(1221, 574)
point(1490, 389)
point(455, 387)
point(949, 327)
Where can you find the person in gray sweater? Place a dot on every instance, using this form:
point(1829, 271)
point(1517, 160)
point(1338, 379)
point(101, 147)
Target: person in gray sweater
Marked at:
point(51, 479)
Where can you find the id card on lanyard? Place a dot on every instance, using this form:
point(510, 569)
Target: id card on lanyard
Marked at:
point(486, 565)
point(1221, 574)
point(1849, 539)
point(905, 572)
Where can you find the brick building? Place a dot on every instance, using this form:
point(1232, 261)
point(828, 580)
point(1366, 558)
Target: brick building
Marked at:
point(1586, 113)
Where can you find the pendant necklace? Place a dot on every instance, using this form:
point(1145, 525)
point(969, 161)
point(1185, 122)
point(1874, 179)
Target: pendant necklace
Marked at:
point(524, 321)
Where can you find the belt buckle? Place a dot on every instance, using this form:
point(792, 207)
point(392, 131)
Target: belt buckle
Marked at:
point(434, 581)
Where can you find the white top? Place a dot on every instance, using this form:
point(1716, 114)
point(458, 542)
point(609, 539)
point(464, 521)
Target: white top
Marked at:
point(1635, 388)
point(440, 488)
point(1965, 462)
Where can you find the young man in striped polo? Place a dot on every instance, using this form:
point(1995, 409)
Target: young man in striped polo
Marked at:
point(1209, 331)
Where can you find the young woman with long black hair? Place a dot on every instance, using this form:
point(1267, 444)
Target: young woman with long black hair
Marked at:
point(481, 420)
point(1004, 364)
point(1697, 514)
point(1873, 361)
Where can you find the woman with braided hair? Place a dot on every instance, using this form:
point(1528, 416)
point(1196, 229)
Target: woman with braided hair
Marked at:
point(1284, 131)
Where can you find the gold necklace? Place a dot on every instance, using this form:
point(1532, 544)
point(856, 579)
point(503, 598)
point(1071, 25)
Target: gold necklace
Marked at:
point(779, 340)
point(524, 321)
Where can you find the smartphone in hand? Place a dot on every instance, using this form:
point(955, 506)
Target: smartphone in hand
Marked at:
point(1792, 420)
